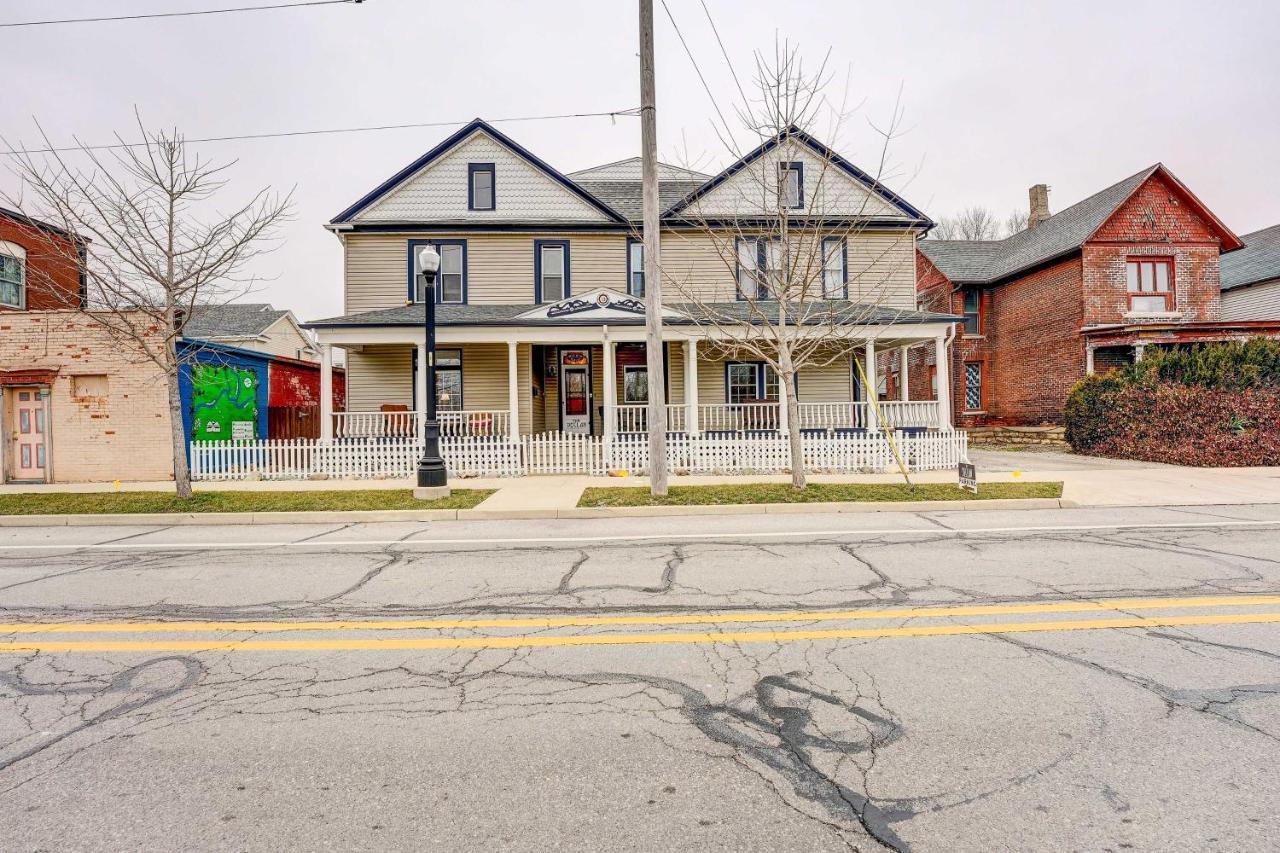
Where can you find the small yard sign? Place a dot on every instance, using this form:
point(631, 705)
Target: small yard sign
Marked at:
point(968, 477)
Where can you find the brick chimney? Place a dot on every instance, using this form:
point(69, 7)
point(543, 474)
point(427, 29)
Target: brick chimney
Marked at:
point(1039, 205)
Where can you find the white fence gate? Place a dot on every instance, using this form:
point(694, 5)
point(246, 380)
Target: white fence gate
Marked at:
point(561, 453)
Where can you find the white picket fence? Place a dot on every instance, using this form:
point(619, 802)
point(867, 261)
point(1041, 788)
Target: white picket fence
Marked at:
point(562, 453)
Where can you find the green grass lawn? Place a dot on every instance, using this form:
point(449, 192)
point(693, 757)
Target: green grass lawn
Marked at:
point(782, 493)
point(131, 502)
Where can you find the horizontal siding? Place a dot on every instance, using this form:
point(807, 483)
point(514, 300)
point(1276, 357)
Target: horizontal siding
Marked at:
point(500, 267)
point(829, 383)
point(1257, 302)
point(378, 376)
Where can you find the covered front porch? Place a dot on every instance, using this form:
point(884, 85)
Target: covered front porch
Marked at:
point(594, 382)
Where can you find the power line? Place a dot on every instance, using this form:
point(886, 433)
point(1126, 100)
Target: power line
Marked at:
point(181, 14)
point(725, 53)
point(630, 112)
point(689, 53)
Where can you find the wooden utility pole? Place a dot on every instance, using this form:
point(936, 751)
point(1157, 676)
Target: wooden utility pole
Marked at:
point(652, 259)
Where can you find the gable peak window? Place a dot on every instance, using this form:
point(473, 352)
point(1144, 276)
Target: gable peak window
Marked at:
point(635, 269)
point(13, 275)
point(451, 280)
point(791, 184)
point(1150, 284)
point(481, 194)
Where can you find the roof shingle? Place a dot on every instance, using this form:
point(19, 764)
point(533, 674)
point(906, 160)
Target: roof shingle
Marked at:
point(1259, 260)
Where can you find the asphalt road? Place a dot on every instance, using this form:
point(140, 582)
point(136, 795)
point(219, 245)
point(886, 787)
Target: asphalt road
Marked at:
point(945, 681)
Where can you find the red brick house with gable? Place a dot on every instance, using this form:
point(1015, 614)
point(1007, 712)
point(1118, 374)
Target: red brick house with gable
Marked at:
point(1084, 290)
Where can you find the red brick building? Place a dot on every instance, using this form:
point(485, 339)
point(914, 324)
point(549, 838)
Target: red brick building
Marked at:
point(1084, 290)
point(38, 270)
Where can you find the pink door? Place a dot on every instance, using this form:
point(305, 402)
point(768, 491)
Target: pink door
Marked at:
point(30, 455)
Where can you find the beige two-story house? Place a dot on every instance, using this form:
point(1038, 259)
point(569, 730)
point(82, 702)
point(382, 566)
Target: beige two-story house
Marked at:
point(541, 295)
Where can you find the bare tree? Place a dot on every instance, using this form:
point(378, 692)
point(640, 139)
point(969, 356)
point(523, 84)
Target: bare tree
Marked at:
point(979, 223)
point(152, 243)
point(799, 306)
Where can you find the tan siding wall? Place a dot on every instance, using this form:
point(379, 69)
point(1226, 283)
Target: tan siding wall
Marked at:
point(484, 376)
point(379, 376)
point(284, 340)
point(500, 267)
point(825, 384)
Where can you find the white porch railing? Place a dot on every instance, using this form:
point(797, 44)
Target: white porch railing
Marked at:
point(481, 423)
point(737, 417)
point(896, 414)
point(634, 417)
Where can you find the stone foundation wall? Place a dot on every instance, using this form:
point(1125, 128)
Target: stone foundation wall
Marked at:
point(1049, 436)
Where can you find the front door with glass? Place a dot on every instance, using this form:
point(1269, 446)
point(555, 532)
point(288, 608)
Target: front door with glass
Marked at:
point(575, 391)
point(27, 428)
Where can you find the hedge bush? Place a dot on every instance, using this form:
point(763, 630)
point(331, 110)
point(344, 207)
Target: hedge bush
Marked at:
point(1213, 405)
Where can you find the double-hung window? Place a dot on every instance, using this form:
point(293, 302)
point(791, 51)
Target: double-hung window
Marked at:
point(449, 380)
point(551, 270)
point(834, 272)
point(791, 185)
point(635, 268)
point(635, 384)
point(13, 262)
point(973, 312)
point(750, 382)
point(451, 280)
point(759, 267)
point(480, 186)
point(1150, 284)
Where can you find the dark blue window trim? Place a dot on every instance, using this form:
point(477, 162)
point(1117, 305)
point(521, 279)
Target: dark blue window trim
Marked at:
point(797, 166)
point(413, 370)
point(761, 367)
point(472, 168)
point(844, 265)
point(762, 289)
point(412, 293)
point(632, 241)
point(538, 246)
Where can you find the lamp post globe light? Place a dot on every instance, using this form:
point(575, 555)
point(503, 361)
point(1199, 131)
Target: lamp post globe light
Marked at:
point(433, 479)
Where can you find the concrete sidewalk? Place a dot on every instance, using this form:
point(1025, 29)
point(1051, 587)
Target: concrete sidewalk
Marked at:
point(1107, 485)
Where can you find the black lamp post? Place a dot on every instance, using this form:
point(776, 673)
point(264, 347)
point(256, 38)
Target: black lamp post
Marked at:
point(433, 479)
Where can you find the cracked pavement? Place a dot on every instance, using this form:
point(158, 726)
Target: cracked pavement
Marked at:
point(1159, 737)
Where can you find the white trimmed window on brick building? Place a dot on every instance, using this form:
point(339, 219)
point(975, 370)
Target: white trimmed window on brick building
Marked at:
point(13, 275)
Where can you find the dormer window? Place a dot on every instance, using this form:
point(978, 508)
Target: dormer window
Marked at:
point(791, 185)
point(480, 186)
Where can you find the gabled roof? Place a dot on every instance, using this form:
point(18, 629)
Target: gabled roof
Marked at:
point(830, 156)
point(989, 261)
point(236, 320)
point(1259, 260)
point(630, 169)
point(456, 139)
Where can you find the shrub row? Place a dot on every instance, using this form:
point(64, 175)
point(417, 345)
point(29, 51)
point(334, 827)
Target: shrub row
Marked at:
point(1216, 405)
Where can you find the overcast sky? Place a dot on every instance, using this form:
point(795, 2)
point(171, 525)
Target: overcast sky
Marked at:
point(998, 95)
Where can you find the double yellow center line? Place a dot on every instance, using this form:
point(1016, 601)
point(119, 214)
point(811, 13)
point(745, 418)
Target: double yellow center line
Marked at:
point(246, 636)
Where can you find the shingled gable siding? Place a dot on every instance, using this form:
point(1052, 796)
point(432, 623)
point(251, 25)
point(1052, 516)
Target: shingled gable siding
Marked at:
point(1154, 222)
point(522, 191)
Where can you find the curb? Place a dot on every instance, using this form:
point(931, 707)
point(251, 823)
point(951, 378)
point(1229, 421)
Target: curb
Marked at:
point(332, 517)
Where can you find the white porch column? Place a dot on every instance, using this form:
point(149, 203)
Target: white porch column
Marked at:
point(691, 386)
point(420, 389)
point(904, 377)
point(326, 392)
point(610, 388)
point(783, 414)
point(943, 372)
point(513, 392)
point(1088, 359)
point(873, 387)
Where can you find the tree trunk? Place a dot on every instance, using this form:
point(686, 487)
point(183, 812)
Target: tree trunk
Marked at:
point(178, 434)
point(794, 436)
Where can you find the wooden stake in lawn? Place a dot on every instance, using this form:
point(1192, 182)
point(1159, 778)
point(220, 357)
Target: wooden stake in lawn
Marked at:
point(155, 245)
point(652, 258)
